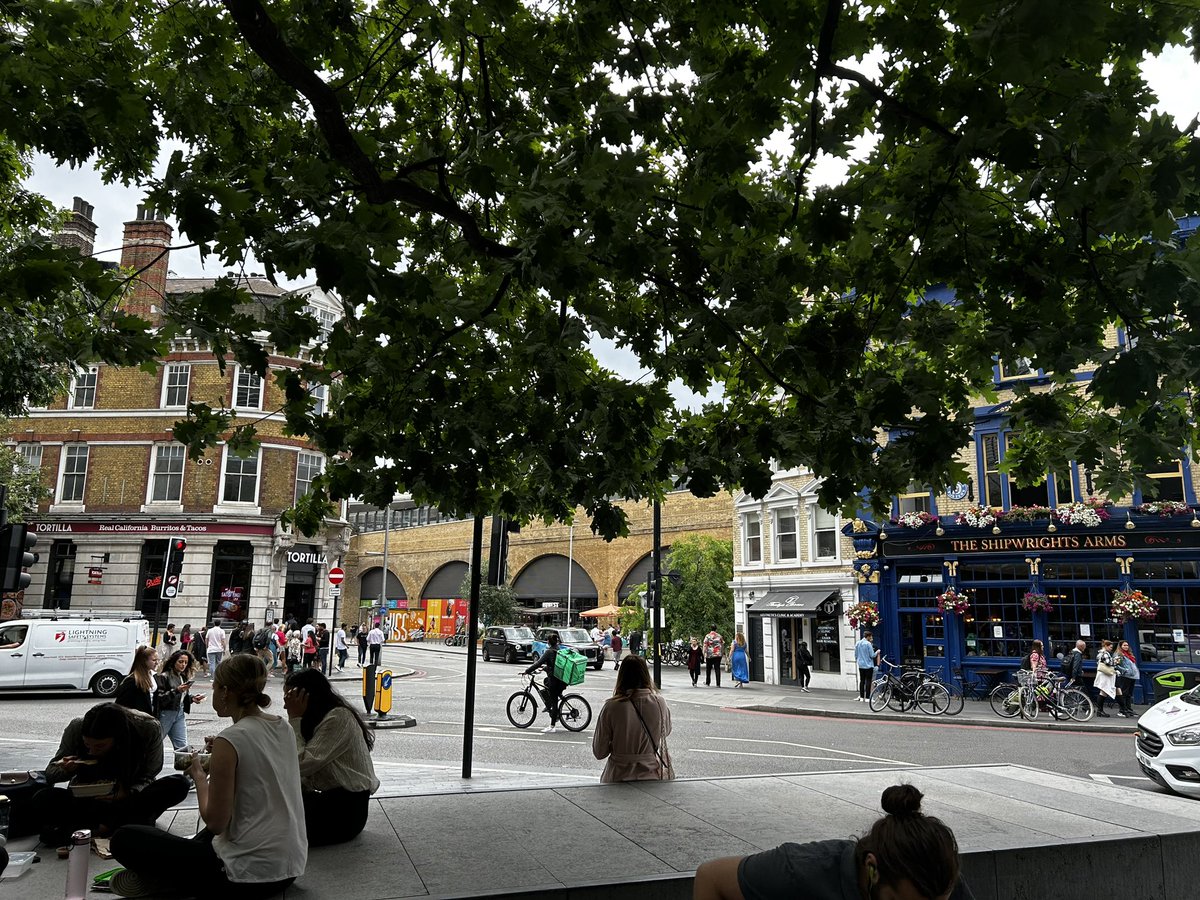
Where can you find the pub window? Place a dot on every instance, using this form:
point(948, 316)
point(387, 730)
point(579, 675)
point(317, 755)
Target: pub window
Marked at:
point(918, 574)
point(992, 481)
point(915, 499)
point(1166, 569)
point(1002, 627)
point(825, 534)
point(972, 571)
point(1080, 612)
point(1174, 637)
point(751, 538)
point(1169, 479)
point(785, 535)
point(1081, 571)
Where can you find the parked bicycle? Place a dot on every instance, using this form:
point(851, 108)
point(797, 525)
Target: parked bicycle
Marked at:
point(458, 639)
point(574, 712)
point(1031, 695)
point(677, 653)
point(909, 688)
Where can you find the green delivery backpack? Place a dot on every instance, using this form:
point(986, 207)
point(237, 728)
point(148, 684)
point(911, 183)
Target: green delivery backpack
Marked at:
point(569, 666)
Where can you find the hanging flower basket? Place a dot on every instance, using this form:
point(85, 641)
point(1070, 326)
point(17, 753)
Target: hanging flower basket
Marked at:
point(953, 602)
point(915, 519)
point(864, 615)
point(979, 516)
point(1133, 605)
point(1035, 602)
point(1027, 514)
point(1087, 514)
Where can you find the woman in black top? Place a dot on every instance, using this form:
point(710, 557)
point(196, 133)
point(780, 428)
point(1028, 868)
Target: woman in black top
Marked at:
point(804, 659)
point(136, 690)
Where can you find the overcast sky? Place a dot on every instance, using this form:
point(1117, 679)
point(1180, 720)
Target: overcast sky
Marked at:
point(1173, 76)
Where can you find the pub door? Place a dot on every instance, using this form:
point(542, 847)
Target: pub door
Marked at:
point(923, 642)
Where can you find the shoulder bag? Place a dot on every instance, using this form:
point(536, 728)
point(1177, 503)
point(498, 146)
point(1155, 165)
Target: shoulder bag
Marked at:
point(666, 769)
point(1104, 667)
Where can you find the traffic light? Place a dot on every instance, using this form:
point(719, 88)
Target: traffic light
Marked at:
point(175, 551)
point(16, 546)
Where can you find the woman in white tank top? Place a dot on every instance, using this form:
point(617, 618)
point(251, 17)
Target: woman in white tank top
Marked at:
point(253, 844)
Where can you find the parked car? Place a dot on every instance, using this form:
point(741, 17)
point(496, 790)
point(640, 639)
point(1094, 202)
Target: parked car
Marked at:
point(507, 642)
point(576, 639)
point(1168, 743)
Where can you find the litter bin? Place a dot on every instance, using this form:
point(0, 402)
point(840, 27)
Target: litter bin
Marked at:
point(1170, 682)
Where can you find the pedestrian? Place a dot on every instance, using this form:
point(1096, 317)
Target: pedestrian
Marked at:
point(632, 728)
point(1106, 676)
point(804, 660)
point(199, 649)
point(295, 652)
point(340, 647)
point(1072, 664)
point(595, 633)
point(375, 643)
point(904, 856)
point(108, 744)
point(1037, 660)
point(137, 689)
point(635, 642)
point(310, 649)
point(714, 652)
point(360, 638)
point(739, 661)
point(175, 698)
point(323, 642)
point(248, 632)
point(253, 843)
point(554, 686)
point(866, 657)
point(278, 647)
point(695, 660)
point(337, 776)
point(617, 646)
point(308, 628)
point(235, 639)
point(1127, 677)
point(261, 641)
point(170, 641)
point(185, 639)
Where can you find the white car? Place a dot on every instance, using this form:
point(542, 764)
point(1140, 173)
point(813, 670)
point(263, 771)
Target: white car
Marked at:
point(1168, 743)
point(70, 651)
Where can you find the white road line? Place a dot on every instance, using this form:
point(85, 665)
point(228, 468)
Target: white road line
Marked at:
point(860, 762)
point(548, 739)
point(883, 759)
point(1103, 779)
point(25, 741)
point(476, 770)
point(1107, 779)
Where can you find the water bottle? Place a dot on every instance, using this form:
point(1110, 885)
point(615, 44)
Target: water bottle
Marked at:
point(77, 865)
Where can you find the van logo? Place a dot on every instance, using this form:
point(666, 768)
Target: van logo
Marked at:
point(60, 636)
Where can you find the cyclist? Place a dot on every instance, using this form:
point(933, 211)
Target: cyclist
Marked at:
point(554, 688)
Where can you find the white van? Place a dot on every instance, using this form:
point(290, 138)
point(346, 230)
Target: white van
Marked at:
point(69, 651)
point(1168, 743)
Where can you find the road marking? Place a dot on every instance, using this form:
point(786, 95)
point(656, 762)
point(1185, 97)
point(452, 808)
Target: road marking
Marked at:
point(861, 762)
point(25, 741)
point(548, 739)
point(477, 770)
point(1107, 779)
point(917, 723)
point(864, 756)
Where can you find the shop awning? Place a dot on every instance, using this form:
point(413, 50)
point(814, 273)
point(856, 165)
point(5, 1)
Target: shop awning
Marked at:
point(788, 603)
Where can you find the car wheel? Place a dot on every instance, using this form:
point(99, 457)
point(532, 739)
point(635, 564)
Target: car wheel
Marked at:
point(510, 655)
point(105, 684)
point(486, 658)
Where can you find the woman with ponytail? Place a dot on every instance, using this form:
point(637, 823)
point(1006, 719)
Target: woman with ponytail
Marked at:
point(253, 844)
point(906, 855)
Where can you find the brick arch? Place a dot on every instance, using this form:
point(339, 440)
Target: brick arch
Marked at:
point(445, 581)
point(639, 572)
point(545, 577)
point(369, 582)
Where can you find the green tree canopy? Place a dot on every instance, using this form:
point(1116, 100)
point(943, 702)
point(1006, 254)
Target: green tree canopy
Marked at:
point(491, 185)
point(703, 597)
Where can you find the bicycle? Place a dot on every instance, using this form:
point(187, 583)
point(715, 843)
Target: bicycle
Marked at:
point(914, 687)
point(1051, 694)
point(574, 712)
point(458, 639)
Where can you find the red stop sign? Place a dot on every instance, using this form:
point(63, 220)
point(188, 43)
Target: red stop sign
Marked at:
point(336, 575)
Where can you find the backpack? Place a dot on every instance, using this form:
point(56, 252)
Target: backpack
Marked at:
point(261, 639)
point(1027, 663)
point(569, 666)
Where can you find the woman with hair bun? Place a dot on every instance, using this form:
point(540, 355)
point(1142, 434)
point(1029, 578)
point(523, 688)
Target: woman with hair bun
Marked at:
point(906, 855)
point(253, 844)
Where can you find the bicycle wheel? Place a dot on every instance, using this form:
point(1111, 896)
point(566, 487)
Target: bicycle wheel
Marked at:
point(902, 699)
point(677, 659)
point(1005, 700)
point(522, 709)
point(932, 698)
point(1029, 703)
point(957, 702)
point(574, 712)
point(449, 641)
point(1078, 704)
point(880, 695)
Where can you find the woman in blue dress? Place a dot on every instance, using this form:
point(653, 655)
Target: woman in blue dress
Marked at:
point(739, 661)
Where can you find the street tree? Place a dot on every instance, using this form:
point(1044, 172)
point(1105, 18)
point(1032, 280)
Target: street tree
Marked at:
point(491, 186)
point(702, 598)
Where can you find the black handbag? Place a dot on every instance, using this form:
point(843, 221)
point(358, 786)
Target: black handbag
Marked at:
point(20, 788)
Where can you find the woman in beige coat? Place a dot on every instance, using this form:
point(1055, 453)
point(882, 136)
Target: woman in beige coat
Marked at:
point(632, 727)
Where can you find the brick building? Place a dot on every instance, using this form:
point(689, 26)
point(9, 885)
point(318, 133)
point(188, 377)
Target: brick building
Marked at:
point(557, 571)
point(121, 486)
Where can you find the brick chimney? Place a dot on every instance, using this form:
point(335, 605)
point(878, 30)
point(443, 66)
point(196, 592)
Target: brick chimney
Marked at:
point(144, 251)
point(79, 231)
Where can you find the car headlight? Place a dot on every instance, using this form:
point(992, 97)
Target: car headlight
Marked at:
point(1185, 736)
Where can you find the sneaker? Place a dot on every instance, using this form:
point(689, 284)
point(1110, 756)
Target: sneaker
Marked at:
point(128, 883)
point(806, 690)
point(550, 729)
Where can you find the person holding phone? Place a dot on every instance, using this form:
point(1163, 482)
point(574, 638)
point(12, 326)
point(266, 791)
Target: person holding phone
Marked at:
point(174, 697)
